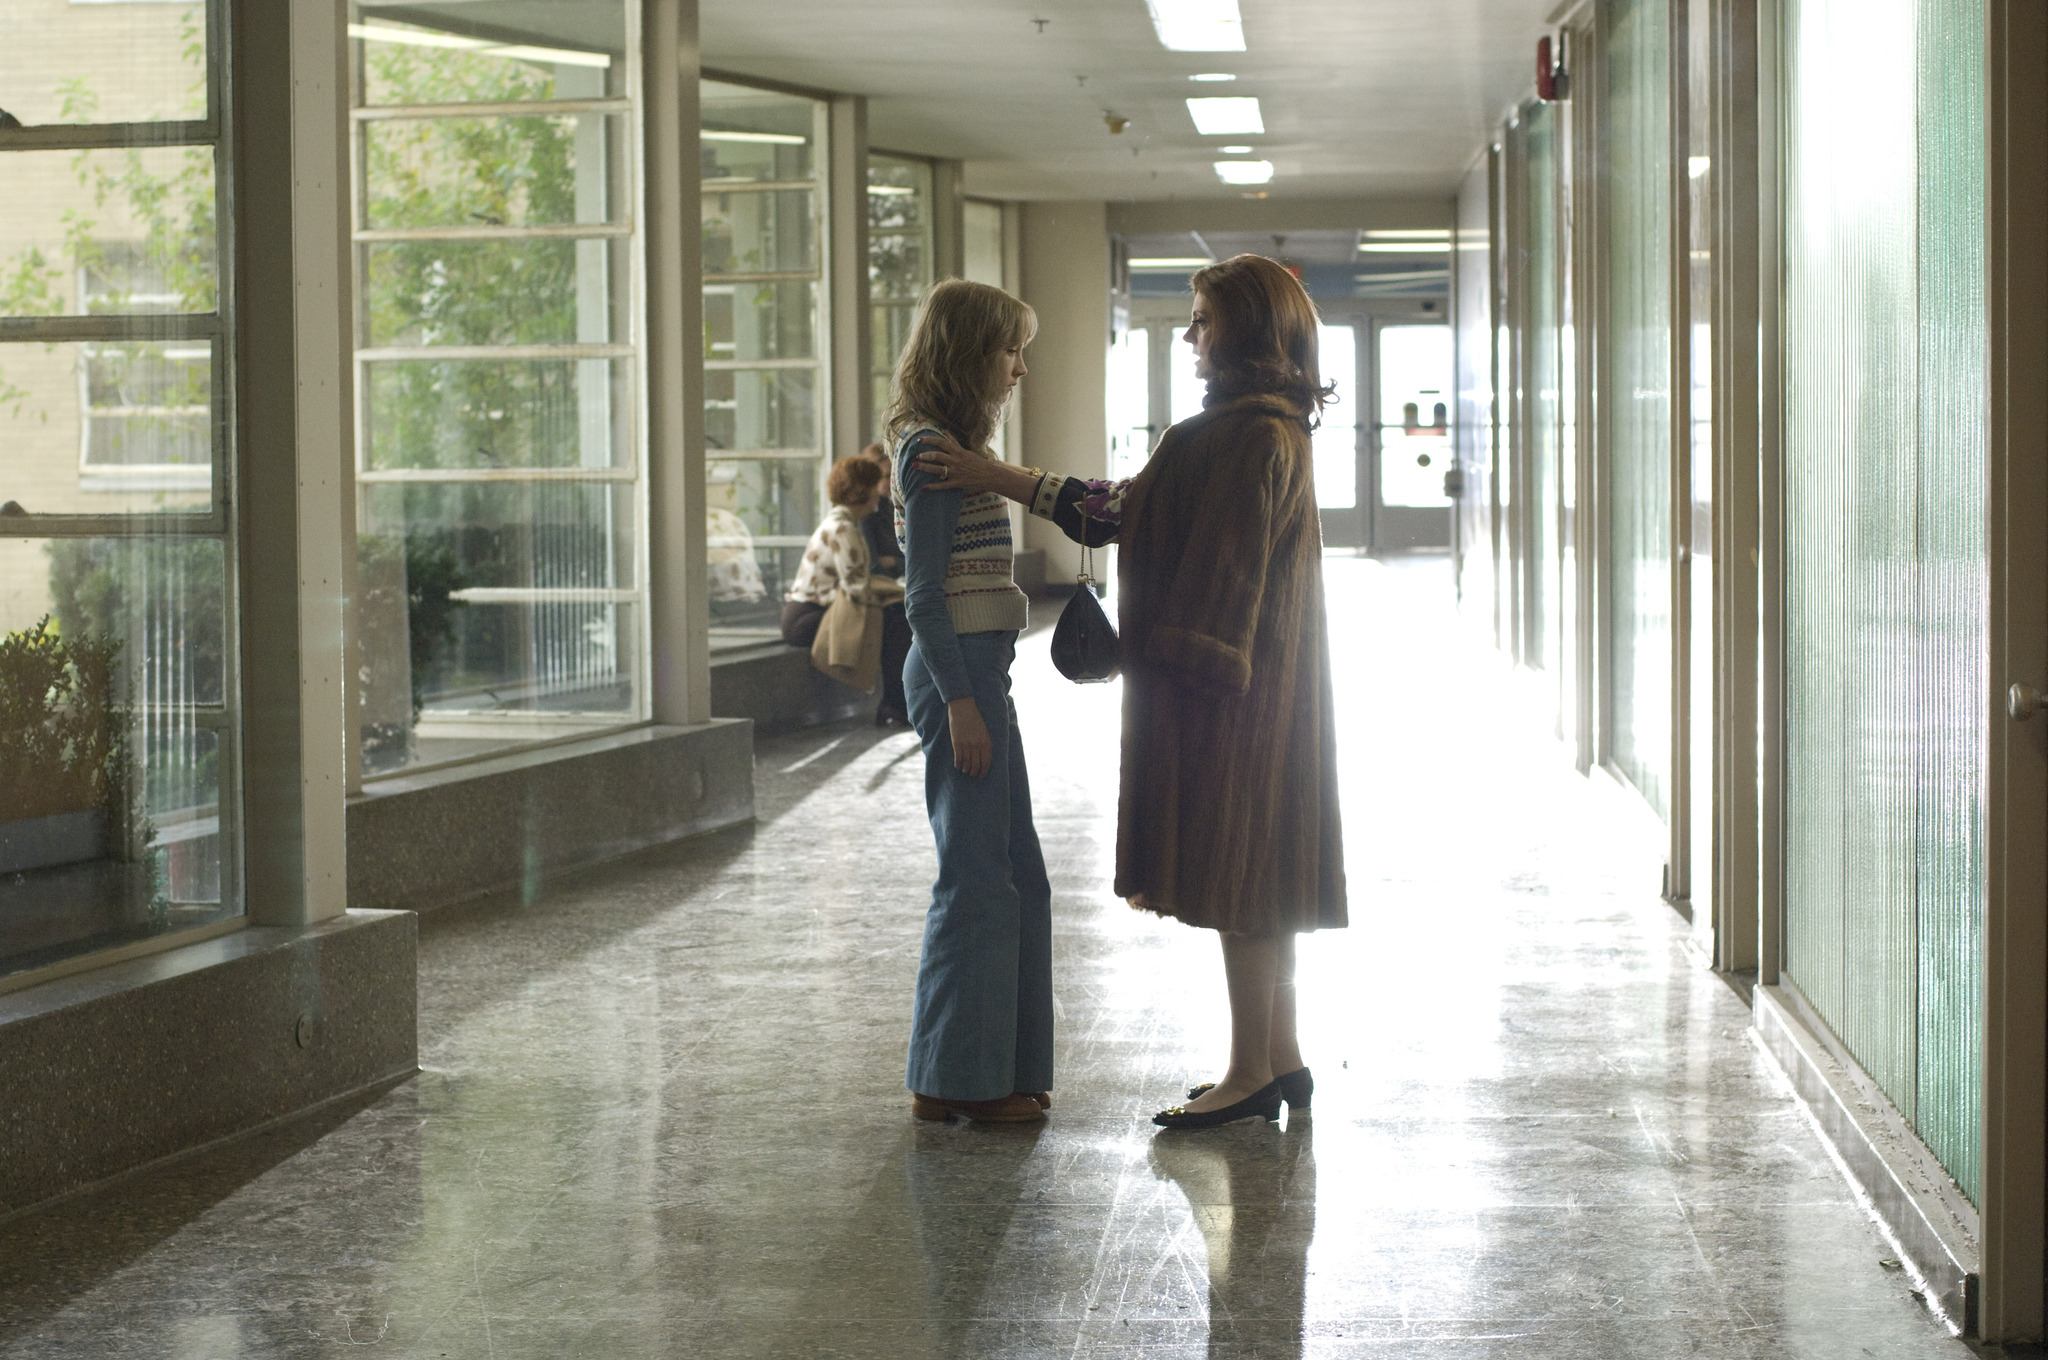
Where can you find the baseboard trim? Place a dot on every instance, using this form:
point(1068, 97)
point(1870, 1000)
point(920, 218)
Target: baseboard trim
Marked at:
point(1919, 1207)
point(365, 1093)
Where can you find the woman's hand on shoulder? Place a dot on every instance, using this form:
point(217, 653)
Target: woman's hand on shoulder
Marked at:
point(953, 465)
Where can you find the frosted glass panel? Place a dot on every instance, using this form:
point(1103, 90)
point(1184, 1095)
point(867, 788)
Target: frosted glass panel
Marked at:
point(1954, 610)
point(1885, 581)
point(1540, 400)
point(1637, 393)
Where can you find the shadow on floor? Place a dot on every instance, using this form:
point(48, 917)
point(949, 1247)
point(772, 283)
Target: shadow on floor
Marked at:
point(55, 1254)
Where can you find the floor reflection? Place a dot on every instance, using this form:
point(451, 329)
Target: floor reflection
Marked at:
point(663, 1112)
point(1252, 1193)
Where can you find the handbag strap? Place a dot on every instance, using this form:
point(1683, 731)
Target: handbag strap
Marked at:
point(1087, 577)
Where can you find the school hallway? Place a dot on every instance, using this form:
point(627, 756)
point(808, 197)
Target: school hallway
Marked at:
point(661, 1108)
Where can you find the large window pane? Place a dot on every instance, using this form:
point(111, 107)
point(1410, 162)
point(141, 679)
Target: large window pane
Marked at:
point(493, 598)
point(533, 292)
point(748, 409)
point(755, 136)
point(108, 232)
point(498, 413)
point(118, 774)
point(107, 427)
point(113, 679)
point(565, 49)
point(542, 170)
point(899, 259)
point(498, 596)
point(760, 321)
point(760, 232)
point(760, 511)
point(106, 63)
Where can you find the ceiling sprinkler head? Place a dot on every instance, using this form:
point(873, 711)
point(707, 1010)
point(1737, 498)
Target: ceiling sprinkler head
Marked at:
point(1115, 124)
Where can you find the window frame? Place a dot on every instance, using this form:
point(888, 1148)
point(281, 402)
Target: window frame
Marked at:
point(820, 363)
point(218, 522)
point(626, 225)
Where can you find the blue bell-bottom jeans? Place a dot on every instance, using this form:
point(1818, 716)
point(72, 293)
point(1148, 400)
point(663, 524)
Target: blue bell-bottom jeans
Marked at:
point(982, 1026)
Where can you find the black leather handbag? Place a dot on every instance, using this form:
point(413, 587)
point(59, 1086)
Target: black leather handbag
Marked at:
point(1084, 645)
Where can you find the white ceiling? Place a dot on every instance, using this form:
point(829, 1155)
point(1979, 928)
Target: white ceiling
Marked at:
point(1362, 98)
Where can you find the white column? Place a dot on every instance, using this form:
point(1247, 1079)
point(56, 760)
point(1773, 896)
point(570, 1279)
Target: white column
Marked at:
point(678, 603)
point(295, 420)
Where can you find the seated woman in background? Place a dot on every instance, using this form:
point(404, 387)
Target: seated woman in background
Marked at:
point(837, 558)
point(884, 553)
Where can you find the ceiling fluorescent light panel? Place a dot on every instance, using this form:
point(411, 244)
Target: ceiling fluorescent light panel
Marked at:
point(772, 138)
point(1244, 172)
point(1197, 25)
point(1227, 116)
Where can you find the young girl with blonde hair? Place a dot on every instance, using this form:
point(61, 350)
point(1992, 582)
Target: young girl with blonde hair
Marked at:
point(981, 1028)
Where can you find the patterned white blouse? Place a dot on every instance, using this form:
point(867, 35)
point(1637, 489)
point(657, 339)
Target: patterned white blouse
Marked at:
point(836, 556)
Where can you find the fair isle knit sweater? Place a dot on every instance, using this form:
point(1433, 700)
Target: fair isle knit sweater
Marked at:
point(957, 576)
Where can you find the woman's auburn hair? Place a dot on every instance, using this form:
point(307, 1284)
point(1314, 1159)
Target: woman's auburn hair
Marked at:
point(1262, 332)
point(853, 479)
point(948, 375)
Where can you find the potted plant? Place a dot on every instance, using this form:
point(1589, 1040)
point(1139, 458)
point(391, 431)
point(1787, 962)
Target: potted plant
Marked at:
point(63, 750)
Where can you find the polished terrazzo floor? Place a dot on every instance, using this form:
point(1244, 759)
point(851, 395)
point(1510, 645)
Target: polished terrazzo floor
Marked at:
point(662, 1115)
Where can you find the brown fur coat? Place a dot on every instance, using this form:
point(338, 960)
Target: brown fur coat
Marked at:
point(1227, 816)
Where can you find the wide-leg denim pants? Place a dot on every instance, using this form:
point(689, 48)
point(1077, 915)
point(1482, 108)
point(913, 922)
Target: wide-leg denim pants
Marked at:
point(982, 1026)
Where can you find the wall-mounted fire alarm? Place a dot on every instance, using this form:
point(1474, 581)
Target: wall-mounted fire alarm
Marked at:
point(1553, 76)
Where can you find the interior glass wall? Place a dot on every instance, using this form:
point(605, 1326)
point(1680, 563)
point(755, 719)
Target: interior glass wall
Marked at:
point(1543, 381)
point(119, 764)
point(500, 595)
point(1635, 389)
point(1474, 422)
point(1886, 635)
point(1698, 565)
point(899, 261)
point(765, 382)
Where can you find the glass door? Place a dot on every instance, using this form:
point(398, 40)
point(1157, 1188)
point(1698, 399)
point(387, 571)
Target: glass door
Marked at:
point(1337, 448)
point(1412, 445)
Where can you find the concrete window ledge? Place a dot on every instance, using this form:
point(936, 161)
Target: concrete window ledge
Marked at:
point(775, 687)
point(114, 1069)
point(1922, 1209)
point(427, 839)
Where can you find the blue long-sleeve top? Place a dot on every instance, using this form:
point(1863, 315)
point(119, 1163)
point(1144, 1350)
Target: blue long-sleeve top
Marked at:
point(929, 518)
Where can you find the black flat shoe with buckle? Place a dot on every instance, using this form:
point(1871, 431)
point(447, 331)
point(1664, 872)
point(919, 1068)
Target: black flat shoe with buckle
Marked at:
point(1263, 1103)
point(1295, 1088)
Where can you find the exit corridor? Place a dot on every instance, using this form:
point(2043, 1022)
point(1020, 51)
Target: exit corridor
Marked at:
point(662, 1114)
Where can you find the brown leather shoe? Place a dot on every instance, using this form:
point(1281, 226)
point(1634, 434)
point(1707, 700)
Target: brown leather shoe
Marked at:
point(1010, 1109)
point(1044, 1098)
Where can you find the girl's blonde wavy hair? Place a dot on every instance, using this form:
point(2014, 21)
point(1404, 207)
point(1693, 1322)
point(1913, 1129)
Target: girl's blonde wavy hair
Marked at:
point(950, 375)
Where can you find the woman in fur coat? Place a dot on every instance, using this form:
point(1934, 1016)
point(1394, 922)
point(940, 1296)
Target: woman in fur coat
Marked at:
point(1227, 813)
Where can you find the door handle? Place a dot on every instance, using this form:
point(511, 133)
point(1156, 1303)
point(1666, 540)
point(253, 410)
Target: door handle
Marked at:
point(2023, 701)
